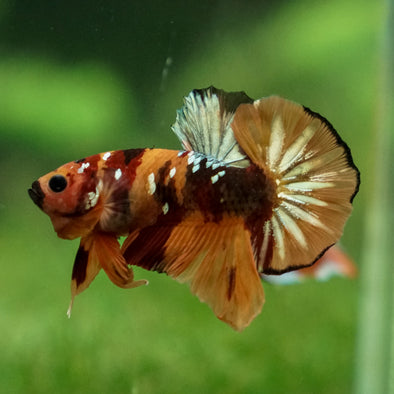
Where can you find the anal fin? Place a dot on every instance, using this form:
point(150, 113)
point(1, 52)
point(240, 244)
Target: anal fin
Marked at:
point(215, 259)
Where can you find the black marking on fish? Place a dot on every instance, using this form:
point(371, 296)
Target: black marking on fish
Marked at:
point(231, 282)
point(130, 154)
point(340, 142)
point(36, 194)
point(80, 266)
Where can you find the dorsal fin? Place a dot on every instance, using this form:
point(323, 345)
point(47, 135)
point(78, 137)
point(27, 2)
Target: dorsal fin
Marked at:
point(316, 180)
point(203, 124)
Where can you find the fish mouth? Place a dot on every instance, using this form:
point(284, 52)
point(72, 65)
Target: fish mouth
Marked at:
point(36, 194)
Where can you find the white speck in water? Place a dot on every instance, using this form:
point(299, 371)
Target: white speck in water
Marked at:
point(118, 174)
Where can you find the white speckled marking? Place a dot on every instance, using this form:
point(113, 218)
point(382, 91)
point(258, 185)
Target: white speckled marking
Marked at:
point(214, 179)
point(106, 156)
point(172, 172)
point(165, 208)
point(221, 173)
point(92, 199)
point(151, 183)
point(197, 159)
point(190, 158)
point(209, 163)
point(216, 165)
point(82, 168)
point(118, 174)
point(180, 153)
point(195, 168)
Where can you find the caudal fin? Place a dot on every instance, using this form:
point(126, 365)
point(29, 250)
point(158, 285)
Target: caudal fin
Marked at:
point(316, 180)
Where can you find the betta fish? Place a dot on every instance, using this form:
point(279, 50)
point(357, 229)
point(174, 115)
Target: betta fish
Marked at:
point(261, 187)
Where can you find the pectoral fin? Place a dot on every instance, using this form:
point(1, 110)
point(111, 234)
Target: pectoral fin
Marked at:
point(98, 251)
point(107, 249)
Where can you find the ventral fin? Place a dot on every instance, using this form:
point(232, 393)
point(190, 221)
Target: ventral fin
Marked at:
point(107, 249)
point(85, 269)
point(316, 181)
point(215, 259)
point(203, 124)
point(96, 251)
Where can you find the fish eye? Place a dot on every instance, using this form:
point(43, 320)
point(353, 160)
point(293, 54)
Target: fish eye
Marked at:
point(57, 183)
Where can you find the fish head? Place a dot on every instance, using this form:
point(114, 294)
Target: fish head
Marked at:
point(70, 196)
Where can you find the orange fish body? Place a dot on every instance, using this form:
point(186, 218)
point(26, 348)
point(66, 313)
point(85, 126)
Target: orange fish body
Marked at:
point(262, 187)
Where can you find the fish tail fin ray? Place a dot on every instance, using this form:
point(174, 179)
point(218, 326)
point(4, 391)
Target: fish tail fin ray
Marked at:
point(315, 177)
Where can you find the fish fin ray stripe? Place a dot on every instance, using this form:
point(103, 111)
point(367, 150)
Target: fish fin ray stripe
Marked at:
point(203, 125)
point(215, 259)
point(314, 174)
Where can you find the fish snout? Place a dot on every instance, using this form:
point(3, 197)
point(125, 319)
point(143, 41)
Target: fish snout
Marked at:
point(36, 194)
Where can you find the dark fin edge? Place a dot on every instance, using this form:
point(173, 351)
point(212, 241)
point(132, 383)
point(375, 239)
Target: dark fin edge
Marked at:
point(271, 271)
point(341, 142)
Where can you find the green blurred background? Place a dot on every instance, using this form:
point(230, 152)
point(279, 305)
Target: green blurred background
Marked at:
point(78, 78)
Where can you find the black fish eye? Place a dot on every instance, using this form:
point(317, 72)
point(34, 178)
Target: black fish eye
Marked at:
point(57, 183)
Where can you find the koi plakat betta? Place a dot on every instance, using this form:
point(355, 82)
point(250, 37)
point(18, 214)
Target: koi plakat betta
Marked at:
point(261, 187)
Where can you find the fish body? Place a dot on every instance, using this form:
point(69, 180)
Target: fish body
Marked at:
point(260, 187)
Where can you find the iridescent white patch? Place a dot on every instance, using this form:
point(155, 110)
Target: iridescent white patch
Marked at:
point(165, 208)
point(106, 156)
point(209, 162)
point(216, 165)
point(92, 199)
point(82, 168)
point(190, 158)
point(151, 183)
point(118, 174)
point(214, 179)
